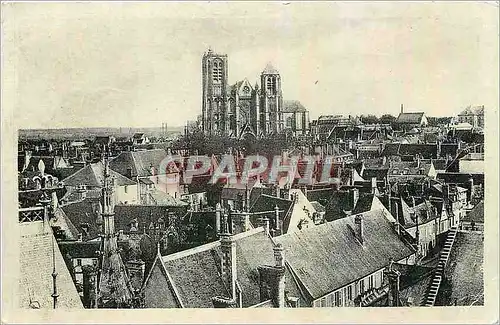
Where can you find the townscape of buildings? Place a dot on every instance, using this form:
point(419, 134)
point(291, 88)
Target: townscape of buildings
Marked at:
point(107, 224)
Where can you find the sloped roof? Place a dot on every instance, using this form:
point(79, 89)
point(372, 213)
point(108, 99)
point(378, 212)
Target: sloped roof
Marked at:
point(93, 175)
point(162, 198)
point(37, 245)
point(476, 214)
point(141, 162)
point(465, 269)
point(410, 118)
point(312, 252)
point(268, 203)
point(195, 272)
point(293, 106)
point(341, 201)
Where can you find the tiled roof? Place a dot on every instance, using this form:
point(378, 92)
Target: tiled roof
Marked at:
point(141, 162)
point(162, 198)
point(318, 206)
point(410, 118)
point(93, 175)
point(342, 201)
point(465, 269)
point(268, 203)
point(195, 272)
point(311, 253)
point(379, 173)
point(78, 249)
point(476, 214)
point(61, 220)
point(83, 212)
point(37, 245)
point(293, 106)
point(145, 215)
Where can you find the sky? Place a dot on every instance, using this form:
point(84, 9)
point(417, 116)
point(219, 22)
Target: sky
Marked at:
point(139, 64)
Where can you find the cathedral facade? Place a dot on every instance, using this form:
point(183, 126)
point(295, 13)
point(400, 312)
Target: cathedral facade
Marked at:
point(241, 109)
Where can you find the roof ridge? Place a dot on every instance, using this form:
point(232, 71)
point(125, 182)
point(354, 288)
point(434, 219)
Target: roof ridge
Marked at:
point(190, 251)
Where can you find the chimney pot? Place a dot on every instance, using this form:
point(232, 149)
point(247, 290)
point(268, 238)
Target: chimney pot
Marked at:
point(358, 221)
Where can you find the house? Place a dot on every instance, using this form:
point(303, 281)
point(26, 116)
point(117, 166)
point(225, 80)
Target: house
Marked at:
point(149, 169)
point(474, 219)
point(77, 255)
point(408, 170)
point(408, 121)
point(140, 138)
point(424, 221)
point(473, 115)
point(341, 263)
point(91, 177)
point(243, 270)
point(350, 202)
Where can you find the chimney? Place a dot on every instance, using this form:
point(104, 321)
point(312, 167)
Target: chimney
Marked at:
point(374, 185)
point(393, 279)
point(471, 188)
point(277, 217)
point(228, 263)
point(354, 197)
point(218, 219)
point(272, 279)
point(402, 108)
point(89, 286)
point(136, 271)
point(54, 202)
point(358, 222)
point(266, 225)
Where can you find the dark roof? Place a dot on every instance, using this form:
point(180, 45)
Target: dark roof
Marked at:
point(37, 245)
point(145, 215)
point(379, 173)
point(342, 201)
point(195, 272)
point(78, 249)
point(476, 215)
point(268, 203)
point(93, 175)
point(83, 212)
point(293, 106)
point(312, 252)
point(465, 269)
point(318, 206)
point(410, 118)
point(141, 162)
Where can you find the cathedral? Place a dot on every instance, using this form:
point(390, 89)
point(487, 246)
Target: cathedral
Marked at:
point(241, 109)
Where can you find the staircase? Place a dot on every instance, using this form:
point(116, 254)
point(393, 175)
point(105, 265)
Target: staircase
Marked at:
point(430, 298)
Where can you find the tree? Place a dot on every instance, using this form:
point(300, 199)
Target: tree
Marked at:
point(369, 119)
point(387, 119)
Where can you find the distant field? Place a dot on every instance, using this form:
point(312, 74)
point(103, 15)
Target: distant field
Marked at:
point(84, 133)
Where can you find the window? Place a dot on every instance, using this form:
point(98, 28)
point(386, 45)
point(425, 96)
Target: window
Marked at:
point(337, 301)
point(94, 262)
point(271, 85)
point(370, 281)
point(361, 286)
point(126, 188)
point(323, 302)
point(79, 262)
point(217, 72)
point(349, 292)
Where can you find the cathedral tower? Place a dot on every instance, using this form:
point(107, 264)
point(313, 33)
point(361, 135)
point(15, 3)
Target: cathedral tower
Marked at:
point(271, 101)
point(215, 113)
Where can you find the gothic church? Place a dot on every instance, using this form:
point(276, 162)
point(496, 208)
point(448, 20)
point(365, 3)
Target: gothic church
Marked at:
point(242, 109)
